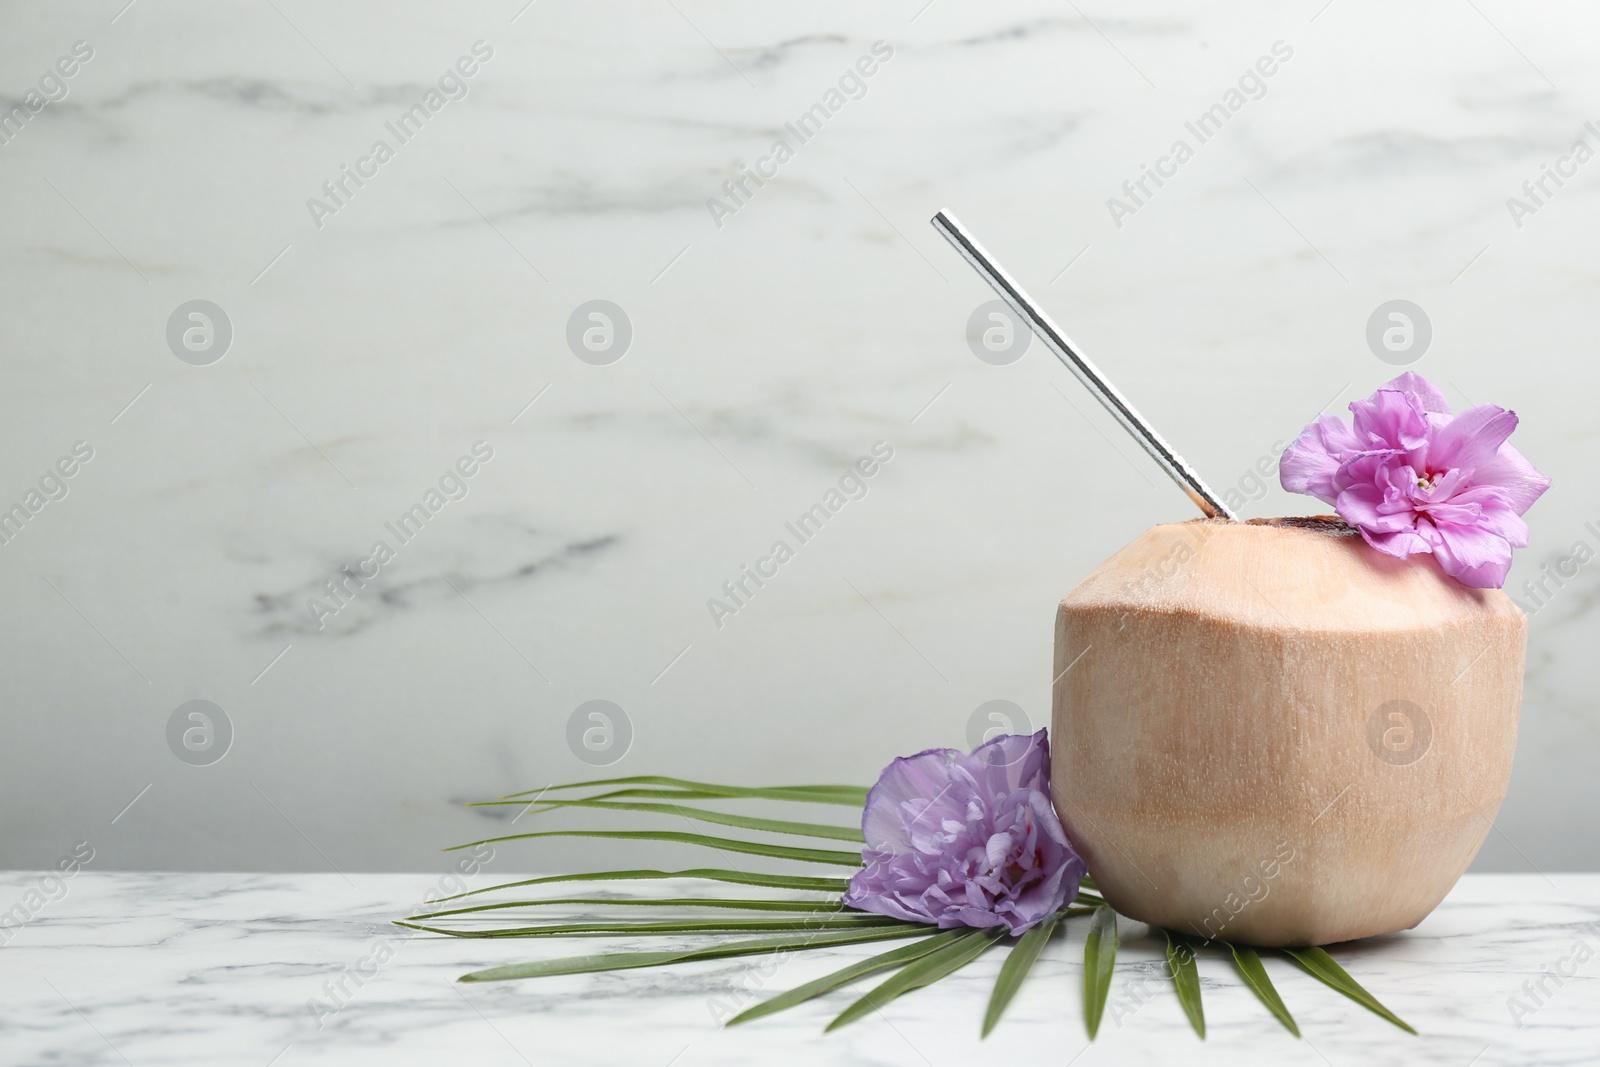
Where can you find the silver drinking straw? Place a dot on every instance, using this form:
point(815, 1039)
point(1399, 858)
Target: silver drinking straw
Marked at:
point(1079, 364)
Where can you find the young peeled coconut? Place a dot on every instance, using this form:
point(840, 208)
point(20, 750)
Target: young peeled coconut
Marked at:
point(1272, 733)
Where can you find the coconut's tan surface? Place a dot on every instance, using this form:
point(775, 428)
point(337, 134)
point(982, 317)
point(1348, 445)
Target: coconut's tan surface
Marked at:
point(1277, 735)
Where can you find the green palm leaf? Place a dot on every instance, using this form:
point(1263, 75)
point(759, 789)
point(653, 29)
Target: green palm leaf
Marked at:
point(1321, 966)
point(1099, 960)
point(793, 795)
point(1019, 961)
point(629, 794)
point(796, 925)
point(925, 971)
point(814, 907)
point(619, 961)
point(1186, 980)
point(770, 881)
point(815, 794)
point(722, 818)
point(754, 848)
point(1248, 963)
point(803, 993)
point(841, 921)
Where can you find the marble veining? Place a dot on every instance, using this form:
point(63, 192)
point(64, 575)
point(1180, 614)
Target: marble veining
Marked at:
point(258, 969)
point(380, 598)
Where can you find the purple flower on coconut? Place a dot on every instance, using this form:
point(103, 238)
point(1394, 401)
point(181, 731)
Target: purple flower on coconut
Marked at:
point(967, 839)
point(1412, 477)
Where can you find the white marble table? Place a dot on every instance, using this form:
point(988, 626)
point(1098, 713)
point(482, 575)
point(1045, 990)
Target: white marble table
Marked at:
point(222, 969)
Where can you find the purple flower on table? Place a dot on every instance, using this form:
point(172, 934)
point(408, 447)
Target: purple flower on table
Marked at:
point(967, 839)
point(1412, 477)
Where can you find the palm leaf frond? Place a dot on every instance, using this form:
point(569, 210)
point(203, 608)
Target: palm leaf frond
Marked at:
point(803, 993)
point(1248, 964)
point(1019, 961)
point(1099, 961)
point(724, 844)
point(849, 795)
point(841, 921)
point(813, 907)
point(619, 961)
point(710, 874)
point(721, 818)
point(922, 972)
point(1321, 966)
point(1186, 980)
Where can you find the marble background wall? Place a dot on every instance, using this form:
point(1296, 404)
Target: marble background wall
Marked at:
point(377, 338)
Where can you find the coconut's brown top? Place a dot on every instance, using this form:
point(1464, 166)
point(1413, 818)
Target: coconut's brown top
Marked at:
point(1310, 573)
point(1325, 523)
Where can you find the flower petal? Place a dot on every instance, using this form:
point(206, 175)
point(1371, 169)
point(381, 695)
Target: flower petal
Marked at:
point(1390, 418)
point(1514, 476)
point(1474, 556)
point(1470, 439)
point(1309, 464)
point(919, 781)
point(1401, 544)
point(1012, 761)
point(1366, 508)
point(1428, 397)
point(958, 839)
point(1495, 514)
